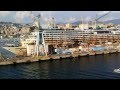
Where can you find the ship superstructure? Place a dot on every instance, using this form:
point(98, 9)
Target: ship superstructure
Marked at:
point(46, 40)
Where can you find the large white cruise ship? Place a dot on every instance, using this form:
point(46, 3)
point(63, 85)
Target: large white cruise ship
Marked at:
point(55, 37)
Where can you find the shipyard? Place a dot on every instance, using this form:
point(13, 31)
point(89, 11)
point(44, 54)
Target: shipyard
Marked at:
point(25, 44)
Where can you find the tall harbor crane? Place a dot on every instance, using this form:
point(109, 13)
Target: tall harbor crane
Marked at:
point(96, 20)
point(40, 36)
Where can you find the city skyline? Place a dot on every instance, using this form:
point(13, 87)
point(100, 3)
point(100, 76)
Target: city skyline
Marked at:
point(60, 16)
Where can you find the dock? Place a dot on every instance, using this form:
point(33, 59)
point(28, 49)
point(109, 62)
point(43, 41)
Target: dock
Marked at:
point(112, 51)
point(99, 52)
point(84, 53)
point(118, 51)
point(106, 52)
point(30, 59)
point(75, 55)
point(91, 53)
point(44, 58)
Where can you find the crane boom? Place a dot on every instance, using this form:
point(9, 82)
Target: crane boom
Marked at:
point(102, 16)
point(96, 20)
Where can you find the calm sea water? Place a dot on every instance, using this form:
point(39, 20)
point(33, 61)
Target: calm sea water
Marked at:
point(93, 67)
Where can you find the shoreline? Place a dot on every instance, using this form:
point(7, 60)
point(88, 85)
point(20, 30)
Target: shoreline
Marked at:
point(29, 59)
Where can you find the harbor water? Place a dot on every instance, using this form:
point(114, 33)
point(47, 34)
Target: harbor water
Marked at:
point(91, 67)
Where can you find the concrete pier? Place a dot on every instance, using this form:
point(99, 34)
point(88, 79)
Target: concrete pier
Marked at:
point(17, 60)
point(44, 58)
point(54, 57)
point(118, 51)
point(91, 53)
point(112, 51)
point(84, 53)
point(75, 55)
point(99, 52)
point(106, 52)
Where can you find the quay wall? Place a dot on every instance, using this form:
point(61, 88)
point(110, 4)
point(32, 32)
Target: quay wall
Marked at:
point(30, 59)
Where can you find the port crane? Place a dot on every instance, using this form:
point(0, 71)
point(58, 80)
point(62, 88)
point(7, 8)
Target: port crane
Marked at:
point(96, 20)
point(40, 36)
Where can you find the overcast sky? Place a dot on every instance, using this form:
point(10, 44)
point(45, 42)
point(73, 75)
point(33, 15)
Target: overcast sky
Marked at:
point(60, 16)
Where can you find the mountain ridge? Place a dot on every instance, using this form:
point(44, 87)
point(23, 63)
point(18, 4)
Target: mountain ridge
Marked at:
point(114, 21)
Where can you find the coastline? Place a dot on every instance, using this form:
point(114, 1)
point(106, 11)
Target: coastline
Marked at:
point(30, 59)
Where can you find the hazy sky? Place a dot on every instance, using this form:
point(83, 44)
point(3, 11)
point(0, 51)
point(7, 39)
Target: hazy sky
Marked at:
point(60, 16)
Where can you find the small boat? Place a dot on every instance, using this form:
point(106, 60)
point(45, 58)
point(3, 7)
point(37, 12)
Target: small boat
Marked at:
point(117, 70)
